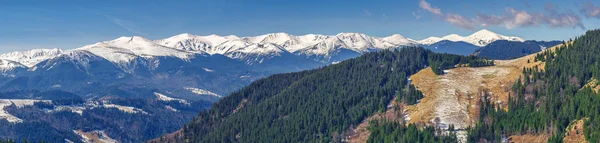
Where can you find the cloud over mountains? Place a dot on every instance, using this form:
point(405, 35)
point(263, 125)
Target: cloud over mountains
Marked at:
point(513, 18)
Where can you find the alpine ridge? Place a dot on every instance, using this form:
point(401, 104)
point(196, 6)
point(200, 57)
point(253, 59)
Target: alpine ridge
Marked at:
point(480, 38)
point(219, 64)
point(252, 50)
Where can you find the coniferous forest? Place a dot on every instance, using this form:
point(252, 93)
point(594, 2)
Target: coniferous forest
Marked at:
point(547, 101)
point(320, 105)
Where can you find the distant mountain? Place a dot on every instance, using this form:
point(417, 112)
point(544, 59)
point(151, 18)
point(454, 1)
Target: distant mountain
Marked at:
point(503, 49)
point(219, 64)
point(135, 74)
point(452, 47)
point(456, 44)
point(314, 105)
point(480, 38)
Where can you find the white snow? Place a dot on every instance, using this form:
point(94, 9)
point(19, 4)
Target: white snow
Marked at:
point(102, 137)
point(163, 97)
point(127, 109)
point(542, 48)
point(171, 108)
point(480, 38)
point(189, 42)
point(20, 103)
point(7, 65)
point(430, 40)
point(124, 50)
point(75, 109)
point(202, 92)
point(254, 49)
point(397, 39)
point(30, 58)
point(484, 37)
point(208, 70)
point(454, 38)
point(6, 115)
point(84, 138)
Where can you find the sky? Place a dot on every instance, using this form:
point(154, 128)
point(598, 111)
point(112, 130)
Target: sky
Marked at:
point(69, 24)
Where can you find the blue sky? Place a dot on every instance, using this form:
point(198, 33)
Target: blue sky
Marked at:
point(30, 24)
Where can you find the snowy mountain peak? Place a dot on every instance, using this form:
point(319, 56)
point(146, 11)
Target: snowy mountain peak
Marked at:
point(484, 32)
point(484, 37)
point(398, 39)
point(30, 58)
point(231, 37)
point(278, 38)
point(125, 50)
point(454, 37)
point(133, 39)
point(395, 36)
point(357, 41)
point(351, 34)
point(430, 40)
point(183, 36)
point(479, 38)
point(8, 65)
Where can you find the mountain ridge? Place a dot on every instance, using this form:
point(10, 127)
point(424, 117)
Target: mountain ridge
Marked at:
point(124, 50)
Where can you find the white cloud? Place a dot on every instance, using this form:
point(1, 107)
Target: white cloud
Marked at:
point(367, 13)
point(516, 18)
point(434, 10)
point(520, 18)
point(460, 21)
point(590, 10)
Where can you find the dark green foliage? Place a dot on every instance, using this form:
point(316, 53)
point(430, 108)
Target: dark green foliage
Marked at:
point(504, 50)
point(394, 132)
point(7, 141)
point(410, 95)
point(547, 101)
point(316, 105)
point(441, 62)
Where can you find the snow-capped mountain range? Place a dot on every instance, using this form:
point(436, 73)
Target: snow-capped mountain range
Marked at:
point(252, 50)
point(480, 38)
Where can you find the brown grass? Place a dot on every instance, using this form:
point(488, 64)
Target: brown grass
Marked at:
point(92, 136)
point(361, 133)
point(574, 133)
point(498, 82)
point(593, 83)
point(425, 81)
point(528, 138)
point(169, 138)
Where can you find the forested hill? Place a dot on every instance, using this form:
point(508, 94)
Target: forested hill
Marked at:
point(316, 105)
point(504, 50)
point(549, 100)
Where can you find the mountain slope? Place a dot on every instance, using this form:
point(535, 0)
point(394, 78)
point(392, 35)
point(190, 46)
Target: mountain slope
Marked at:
point(485, 37)
point(200, 44)
point(452, 47)
point(124, 50)
point(131, 53)
point(309, 106)
point(502, 49)
point(480, 38)
point(456, 44)
point(550, 96)
point(30, 58)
